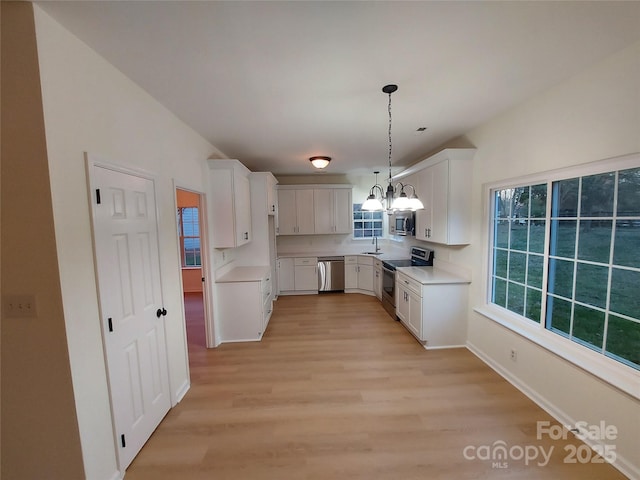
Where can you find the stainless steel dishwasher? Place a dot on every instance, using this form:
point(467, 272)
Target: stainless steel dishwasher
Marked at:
point(331, 274)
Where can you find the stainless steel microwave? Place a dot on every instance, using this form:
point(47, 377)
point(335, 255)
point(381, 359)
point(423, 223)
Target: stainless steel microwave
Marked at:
point(402, 223)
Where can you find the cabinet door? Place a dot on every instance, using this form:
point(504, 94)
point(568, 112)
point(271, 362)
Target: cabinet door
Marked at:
point(285, 275)
point(306, 277)
point(287, 214)
point(343, 210)
point(415, 314)
point(242, 206)
point(271, 195)
point(323, 210)
point(304, 211)
point(440, 203)
point(402, 304)
point(377, 282)
point(350, 275)
point(424, 216)
point(365, 277)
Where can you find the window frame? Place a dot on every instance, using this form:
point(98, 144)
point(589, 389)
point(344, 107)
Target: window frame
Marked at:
point(618, 374)
point(182, 236)
point(354, 220)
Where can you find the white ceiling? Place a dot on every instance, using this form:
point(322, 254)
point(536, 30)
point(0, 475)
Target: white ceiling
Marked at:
point(272, 82)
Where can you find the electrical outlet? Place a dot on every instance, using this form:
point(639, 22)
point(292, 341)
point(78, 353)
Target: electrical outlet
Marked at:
point(514, 355)
point(19, 306)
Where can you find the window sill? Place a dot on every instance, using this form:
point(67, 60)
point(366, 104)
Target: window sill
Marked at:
point(610, 371)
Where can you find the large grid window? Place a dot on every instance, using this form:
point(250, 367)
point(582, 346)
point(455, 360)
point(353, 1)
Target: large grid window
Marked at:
point(189, 235)
point(366, 224)
point(585, 285)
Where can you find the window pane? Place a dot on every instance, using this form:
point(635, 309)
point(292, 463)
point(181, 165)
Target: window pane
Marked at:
point(517, 266)
point(358, 233)
point(588, 325)
point(503, 200)
point(627, 243)
point(629, 193)
point(591, 284)
point(502, 234)
point(357, 215)
point(500, 292)
point(558, 314)
point(377, 215)
point(520, 203)
point(597, 195)
point(536, 236)
point(368, 224)
point(377, 232)
point(563, 238)
point(519, 233)
point(534, 274)
point(534, 304)
point(561, 277)
point(565, 198)
point(539, 201)
point(515, 301)
point(500, 259)
point(623, 339)
point(358, 225)
point(625, 292)
point(595, 240)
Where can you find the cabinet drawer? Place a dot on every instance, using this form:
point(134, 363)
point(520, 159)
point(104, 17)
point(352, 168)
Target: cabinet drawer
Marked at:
point(306, 261)
point(377, 263)
point(410, 283)
point(350, 259)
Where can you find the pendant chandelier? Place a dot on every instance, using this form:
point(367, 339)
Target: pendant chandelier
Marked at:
point(394, 198)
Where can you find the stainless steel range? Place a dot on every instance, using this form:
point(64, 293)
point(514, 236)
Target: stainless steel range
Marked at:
point(420, 257)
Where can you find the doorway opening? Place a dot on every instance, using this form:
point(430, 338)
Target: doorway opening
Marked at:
point(192, 256)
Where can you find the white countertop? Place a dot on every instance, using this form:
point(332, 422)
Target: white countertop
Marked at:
point(244, 274)
point(382, 256)
point(431, 275)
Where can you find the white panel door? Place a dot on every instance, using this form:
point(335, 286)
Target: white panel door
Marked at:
point(128, 270)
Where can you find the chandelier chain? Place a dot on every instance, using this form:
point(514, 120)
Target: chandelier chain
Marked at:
point(390, 144)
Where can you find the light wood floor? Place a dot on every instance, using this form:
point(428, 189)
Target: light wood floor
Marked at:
point(338, 390)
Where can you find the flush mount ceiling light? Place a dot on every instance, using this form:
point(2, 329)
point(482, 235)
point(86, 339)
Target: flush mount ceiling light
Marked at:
point(320, 161)
point(395, 197)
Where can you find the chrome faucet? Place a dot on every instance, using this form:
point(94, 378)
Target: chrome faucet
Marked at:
point(375, 241)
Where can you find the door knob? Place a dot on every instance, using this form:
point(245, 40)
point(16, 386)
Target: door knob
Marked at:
point(161, 312)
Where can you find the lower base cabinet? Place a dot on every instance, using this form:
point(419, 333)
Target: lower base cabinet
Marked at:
point(298, 275)
point(244, 307)
point(434, 313)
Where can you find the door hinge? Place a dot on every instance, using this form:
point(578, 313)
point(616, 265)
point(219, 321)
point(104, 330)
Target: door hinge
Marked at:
point(98, 196)
point(110, 323)
point(123, 441)
point(202, 279)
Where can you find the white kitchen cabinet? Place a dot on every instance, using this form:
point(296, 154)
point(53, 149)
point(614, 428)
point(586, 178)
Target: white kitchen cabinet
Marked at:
point(444, 186)
point(295, 212)
point(377, 278)
point(244, 303)
point(314, 209)
point(306, 274)
point(409, 304)
point(358, 274)
point(229, 203)
point(350, 272)
point(286, 280)
point(333, 210)
point(432, 305)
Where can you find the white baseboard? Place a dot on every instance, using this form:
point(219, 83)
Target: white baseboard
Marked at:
point(622, 464)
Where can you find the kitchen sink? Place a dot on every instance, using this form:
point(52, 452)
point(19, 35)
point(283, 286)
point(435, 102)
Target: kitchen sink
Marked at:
point(371, 253)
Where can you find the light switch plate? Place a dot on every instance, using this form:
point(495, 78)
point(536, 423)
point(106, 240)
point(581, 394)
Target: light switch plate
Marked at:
point(19, 306)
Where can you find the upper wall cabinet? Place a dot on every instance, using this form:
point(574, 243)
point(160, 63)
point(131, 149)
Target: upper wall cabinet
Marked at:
point(333, 210)
point(444, 186)
point(295, 212)
point(230, 203)
point(314, 209)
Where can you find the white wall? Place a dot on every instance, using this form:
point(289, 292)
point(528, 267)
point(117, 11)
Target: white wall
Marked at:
point(89, 106)
point(595, 115)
